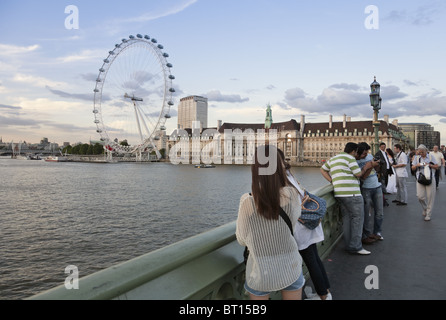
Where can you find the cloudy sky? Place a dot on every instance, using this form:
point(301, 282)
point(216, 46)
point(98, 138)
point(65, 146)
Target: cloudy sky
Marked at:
point(303, 57)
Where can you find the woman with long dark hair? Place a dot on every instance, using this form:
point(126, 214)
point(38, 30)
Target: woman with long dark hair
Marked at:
point(307, 242)
point(274, 262)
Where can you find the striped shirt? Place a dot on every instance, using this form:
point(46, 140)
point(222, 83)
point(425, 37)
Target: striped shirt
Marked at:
point(274, 262)
point(343, 168)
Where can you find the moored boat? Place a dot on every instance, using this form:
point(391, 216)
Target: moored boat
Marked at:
point(204, 166)
point(56, 159)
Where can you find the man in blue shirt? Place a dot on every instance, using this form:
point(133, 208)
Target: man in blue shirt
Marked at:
point(373, 196)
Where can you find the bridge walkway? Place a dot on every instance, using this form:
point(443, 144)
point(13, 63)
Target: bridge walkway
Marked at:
point(410, 262)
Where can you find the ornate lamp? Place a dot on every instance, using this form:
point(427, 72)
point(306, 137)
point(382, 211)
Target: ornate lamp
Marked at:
point(374, 95)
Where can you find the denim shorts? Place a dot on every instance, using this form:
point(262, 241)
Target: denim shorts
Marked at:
point(298, 284)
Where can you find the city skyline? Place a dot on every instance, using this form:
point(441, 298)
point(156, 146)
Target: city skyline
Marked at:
point(303, 58)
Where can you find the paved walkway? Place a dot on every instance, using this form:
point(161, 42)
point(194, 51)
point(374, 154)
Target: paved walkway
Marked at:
point(411, 260)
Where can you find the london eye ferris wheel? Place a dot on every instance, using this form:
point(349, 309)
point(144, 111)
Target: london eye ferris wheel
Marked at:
point(133, 96)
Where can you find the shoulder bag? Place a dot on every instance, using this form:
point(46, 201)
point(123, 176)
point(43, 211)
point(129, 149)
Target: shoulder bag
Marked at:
point(422, 179)
point(313, 209)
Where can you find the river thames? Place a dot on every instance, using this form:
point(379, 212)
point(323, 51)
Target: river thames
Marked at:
point(96, 215)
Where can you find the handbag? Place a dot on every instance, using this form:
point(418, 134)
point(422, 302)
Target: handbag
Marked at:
point(313, 209)
point(287, 221)
point(422, 179)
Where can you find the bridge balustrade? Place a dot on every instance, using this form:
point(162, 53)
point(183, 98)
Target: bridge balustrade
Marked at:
point(205, 266)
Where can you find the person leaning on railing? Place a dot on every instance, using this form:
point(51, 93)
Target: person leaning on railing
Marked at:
point(343, 172)
point(274, 262)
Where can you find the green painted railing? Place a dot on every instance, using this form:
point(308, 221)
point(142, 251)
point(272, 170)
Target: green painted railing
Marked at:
point(206, 266)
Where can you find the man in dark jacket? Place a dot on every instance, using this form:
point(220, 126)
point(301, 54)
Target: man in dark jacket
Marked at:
point(384, 168)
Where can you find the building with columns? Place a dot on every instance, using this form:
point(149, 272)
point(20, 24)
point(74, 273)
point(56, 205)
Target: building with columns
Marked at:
point(326, 139)
point(302, 143)
point(315, 143)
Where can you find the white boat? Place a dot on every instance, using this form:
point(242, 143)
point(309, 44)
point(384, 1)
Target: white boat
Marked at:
point(56, 159)
point(34, 157)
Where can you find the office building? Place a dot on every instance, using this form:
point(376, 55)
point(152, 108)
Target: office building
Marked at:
point(421, 133)
point(192, 108)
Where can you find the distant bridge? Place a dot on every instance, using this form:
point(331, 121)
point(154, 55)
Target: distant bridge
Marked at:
point(26, 151)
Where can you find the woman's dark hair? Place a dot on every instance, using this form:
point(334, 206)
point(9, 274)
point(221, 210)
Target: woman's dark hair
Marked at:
point(266, 188)
point(389, 151)
point(282, 155)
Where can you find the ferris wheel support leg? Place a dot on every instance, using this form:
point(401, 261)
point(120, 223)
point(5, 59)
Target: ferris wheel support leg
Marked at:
point(137, 121)
point(158, 154)
point(109, 155)
point(141, 117)
point(139, 156)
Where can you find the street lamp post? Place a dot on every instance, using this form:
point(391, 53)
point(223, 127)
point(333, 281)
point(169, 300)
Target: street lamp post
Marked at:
point(375, 101)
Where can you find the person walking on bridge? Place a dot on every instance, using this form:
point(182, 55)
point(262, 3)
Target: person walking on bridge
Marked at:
point(425, 193)
point(440, 161)
point(400, 167)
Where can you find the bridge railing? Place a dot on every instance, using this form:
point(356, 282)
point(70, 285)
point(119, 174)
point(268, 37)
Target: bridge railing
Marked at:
point(205, 266)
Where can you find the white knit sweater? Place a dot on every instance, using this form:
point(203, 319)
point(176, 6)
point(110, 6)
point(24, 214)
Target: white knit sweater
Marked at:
point(274, 261)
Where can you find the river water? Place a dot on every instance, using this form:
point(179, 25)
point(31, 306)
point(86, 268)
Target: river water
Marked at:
point(96, 215)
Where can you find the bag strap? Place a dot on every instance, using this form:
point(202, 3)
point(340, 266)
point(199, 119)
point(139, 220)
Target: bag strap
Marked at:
point(287, 220)
point(284, 217)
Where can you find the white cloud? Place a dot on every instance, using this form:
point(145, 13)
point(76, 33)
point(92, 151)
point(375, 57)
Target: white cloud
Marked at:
point(294, 94)
point(422, 106)
point(331, 100)
point(85, 55)
point(216, 95)
point(3, 89)
point(78, 96)
point(8, 50)
point(35, 80)
point(422, 16)
point(161, 13)
point(392, 93)
point(353, 100)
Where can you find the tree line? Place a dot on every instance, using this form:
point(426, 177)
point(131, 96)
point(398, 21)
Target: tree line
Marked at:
point(97, 149)
point(84, 149)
